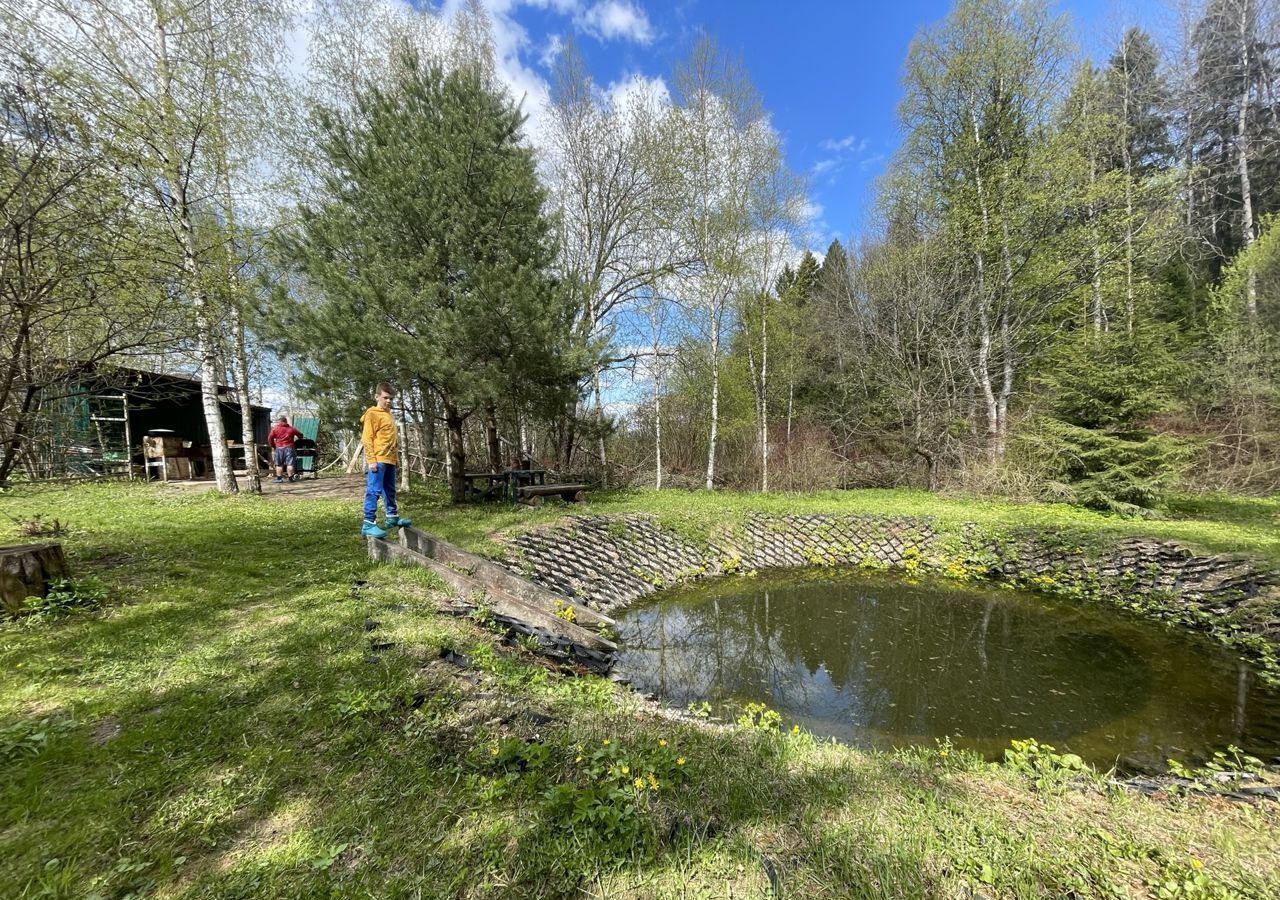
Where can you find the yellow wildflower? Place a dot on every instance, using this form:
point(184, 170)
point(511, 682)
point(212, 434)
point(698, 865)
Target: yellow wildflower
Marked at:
point(493, 751)
point(639, 783)
point(662, 742)
point(795, 729)
point(607, 742)
point(579, 759)
point(1196, 864)
point(626, 770)
point(653, 781)
point(944, 753)
point(680, 761)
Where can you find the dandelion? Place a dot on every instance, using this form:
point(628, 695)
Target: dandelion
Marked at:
point(653, 781)
point(639, 783)
point(680, 761)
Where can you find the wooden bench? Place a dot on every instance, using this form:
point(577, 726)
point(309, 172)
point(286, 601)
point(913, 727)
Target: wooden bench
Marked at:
point(534, 494)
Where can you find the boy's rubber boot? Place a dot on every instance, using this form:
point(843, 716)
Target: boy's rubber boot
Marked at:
point(371, 529)
point(398, 522)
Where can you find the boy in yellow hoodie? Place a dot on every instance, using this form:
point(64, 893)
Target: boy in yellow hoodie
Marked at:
point(382, 454)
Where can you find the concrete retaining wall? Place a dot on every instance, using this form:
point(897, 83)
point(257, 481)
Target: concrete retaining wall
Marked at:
point(610, 561)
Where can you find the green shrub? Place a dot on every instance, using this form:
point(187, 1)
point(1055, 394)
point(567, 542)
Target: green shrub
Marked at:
point(66, 597)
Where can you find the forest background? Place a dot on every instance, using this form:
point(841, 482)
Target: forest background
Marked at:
point(1070, 289)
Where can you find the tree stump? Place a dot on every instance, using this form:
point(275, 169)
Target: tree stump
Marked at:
point(28, 571)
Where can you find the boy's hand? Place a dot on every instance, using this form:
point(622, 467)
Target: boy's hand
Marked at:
point(373, 467)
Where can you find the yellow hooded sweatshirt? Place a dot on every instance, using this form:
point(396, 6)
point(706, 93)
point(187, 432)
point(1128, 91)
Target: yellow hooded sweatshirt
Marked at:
point(379, 437)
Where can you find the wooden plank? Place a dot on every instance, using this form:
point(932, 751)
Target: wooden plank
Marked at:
point(498, 600)
point(534, 490)
point(521, 588)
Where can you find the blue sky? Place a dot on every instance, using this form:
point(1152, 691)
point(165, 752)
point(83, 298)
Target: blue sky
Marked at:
point(829, 72)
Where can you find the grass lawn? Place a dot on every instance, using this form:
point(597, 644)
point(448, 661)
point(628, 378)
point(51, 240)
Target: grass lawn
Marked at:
point(1213, 525)
point(258, 712)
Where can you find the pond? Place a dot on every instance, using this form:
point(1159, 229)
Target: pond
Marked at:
point(883, 662)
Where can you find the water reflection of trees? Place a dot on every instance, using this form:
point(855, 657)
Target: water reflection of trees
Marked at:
point(897, 659)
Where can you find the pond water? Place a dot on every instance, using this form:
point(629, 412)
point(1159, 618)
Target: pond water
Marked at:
point(882, 662)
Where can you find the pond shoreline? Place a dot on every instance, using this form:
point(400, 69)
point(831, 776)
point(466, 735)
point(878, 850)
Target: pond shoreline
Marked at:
point(610, 561)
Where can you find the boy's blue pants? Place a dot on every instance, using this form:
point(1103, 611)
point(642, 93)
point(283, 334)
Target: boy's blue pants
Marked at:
point(381, 482)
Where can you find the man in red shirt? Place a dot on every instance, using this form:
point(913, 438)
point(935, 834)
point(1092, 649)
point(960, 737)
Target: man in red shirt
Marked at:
point(281, 441)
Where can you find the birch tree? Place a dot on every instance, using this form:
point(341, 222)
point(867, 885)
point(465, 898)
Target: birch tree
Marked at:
point(981, 89)
point(603, 177)
point(1234, 126)
point(169, 88)
point(76, 287)
point(729, 152)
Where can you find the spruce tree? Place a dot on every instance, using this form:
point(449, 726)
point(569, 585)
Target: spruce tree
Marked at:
point(1138, 98)
point(831, 280)
point(1103, 387)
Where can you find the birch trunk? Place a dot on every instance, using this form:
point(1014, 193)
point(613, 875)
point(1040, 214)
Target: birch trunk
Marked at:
point(1127, 157)
point(657, 438)
point(206, 346)
point(1242, 153)
point(600, 448)
point(983, 373)
point(764, 397)
point(247, 436)
point(715, 394)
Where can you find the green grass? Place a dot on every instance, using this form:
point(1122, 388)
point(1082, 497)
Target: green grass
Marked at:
point(1210, 524)
point(222, 729)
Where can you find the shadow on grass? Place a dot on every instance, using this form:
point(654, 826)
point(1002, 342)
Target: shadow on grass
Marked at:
point(256, 750)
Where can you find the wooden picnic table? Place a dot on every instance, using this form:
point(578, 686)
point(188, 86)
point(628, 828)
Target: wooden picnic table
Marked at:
point(502, 485)
point(519, 486)
point(491, 489)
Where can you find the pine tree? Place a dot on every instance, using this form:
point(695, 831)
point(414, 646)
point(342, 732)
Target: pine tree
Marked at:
point(430, 254)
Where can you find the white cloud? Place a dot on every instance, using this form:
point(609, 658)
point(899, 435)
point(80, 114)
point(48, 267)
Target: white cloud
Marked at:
point(616, 19)
point(852, 144)
point(842, 152)
point(812, 212)
point(551, 52)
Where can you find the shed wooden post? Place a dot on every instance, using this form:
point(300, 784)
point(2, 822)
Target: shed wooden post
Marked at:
point(128, 436)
